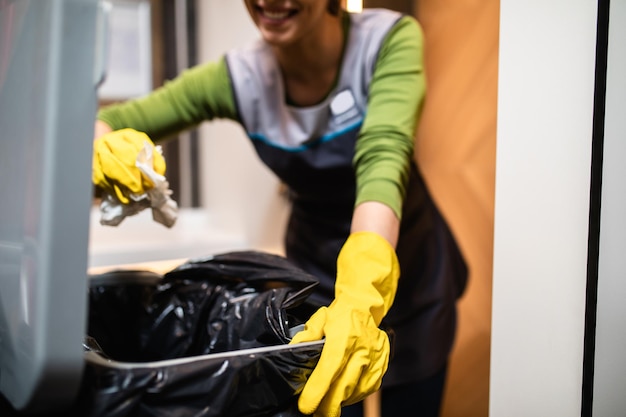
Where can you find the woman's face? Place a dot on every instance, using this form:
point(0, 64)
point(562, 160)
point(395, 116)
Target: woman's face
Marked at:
point(285, 22)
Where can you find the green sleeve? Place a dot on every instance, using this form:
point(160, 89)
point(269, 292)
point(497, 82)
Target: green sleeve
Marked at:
point(201, 93)
point(384, 150)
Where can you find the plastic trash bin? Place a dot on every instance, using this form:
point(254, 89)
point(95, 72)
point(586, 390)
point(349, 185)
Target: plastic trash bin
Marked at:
point(206, 339)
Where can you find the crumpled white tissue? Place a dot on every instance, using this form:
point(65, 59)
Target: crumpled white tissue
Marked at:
point(164, 209)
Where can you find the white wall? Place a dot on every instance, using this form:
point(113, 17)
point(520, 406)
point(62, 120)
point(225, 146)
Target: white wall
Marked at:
point(241, 193)
point(545, 109)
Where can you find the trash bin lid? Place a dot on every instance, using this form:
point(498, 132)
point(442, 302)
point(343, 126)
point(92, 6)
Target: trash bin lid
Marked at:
point(47, 108)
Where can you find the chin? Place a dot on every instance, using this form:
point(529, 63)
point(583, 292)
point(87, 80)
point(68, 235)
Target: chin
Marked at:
point(277, 39)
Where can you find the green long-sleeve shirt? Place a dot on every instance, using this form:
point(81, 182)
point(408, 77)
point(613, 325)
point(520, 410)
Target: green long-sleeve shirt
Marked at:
point(384, 149)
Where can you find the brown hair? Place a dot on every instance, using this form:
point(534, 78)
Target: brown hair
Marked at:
point(334, 6)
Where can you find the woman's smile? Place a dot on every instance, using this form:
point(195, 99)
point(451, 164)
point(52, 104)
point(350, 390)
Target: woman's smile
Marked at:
point(286, 22)
point(275, 15)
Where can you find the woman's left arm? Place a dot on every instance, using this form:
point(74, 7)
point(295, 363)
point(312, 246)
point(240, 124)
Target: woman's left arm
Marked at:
point(356, 351)
point(384, 150)
point(373, 216)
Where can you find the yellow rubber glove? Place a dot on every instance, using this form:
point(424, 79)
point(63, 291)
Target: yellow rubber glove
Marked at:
point(114, 157)
point(356, 352)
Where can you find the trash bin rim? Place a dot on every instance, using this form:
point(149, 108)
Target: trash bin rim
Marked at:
point(95, 358)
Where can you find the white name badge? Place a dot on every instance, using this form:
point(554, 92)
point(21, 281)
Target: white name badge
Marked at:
point(343, 106)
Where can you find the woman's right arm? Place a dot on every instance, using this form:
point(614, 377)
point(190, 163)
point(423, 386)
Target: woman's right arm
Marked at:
point(122, 130)
point(100, 129)
point(201, 93)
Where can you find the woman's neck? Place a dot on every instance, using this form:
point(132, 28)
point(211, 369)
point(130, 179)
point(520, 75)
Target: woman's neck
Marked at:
point(310, 66)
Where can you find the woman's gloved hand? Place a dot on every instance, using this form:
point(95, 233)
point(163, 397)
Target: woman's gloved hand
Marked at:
point(114, 163)
point(356, 352)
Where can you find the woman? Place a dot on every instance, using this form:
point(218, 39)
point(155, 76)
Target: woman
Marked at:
point(331, 102)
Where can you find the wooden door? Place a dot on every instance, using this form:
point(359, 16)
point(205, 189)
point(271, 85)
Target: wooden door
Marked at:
point(456, 145)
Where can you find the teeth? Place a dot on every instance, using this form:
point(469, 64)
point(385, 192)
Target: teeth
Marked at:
point(275, 15)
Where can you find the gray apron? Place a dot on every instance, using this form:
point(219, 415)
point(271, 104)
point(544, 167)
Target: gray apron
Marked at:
point(311, 150)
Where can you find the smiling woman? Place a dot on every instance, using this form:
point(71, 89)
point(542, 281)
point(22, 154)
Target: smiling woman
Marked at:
point(330, 103)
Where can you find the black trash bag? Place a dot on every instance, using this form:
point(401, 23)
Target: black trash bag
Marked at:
point(208, 338)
